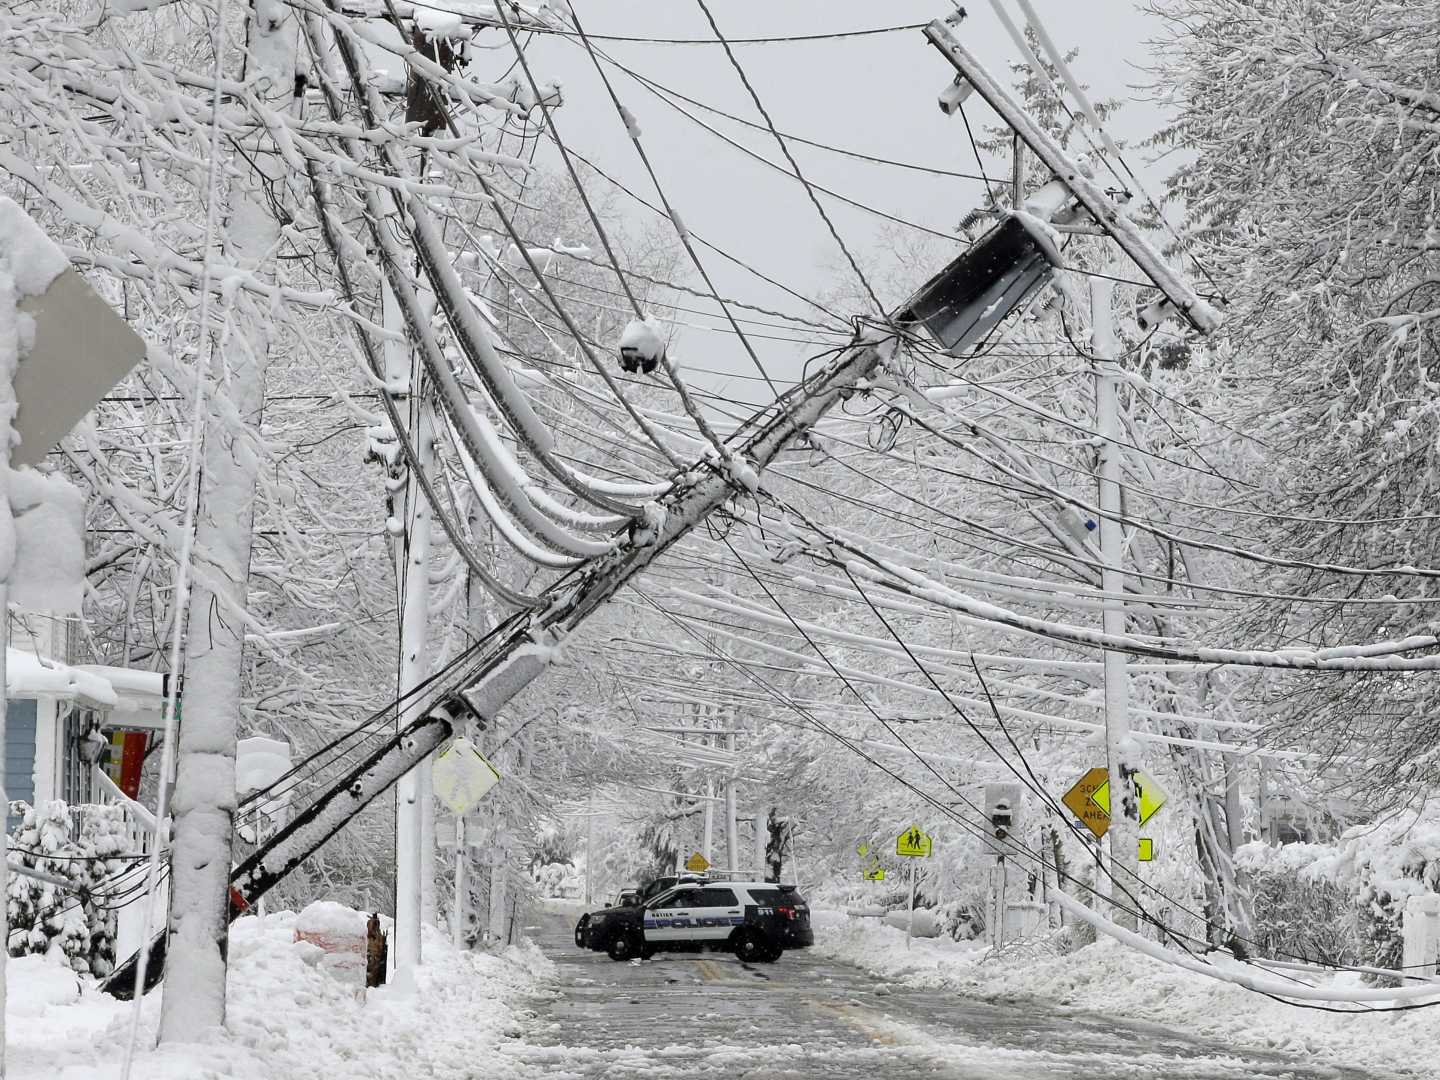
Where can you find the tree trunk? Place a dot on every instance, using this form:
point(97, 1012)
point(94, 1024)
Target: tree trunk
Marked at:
point(204, 800)
point(778, 829)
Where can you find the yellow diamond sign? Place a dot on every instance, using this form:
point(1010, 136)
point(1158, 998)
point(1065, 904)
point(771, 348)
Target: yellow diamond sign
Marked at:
point(1151, 795)
point(462, 776)
point(697, 863)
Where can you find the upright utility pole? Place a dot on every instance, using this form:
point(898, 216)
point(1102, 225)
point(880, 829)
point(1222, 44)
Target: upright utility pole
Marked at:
point(707, 840)
point(589, 845)
point(732, 824)
point(413, 577)
point(1120, 749)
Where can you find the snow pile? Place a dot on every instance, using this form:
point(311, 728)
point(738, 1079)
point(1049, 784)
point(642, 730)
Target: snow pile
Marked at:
point(259, 763)
point(1108, 978)
point(926, 924)
point(325, 918)
point(287, 1020)
point(48, 981)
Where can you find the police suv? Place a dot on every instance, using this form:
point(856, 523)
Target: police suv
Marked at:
point(755, 920)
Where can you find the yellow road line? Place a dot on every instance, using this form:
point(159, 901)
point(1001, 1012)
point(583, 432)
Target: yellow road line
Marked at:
point(849, 1016)
point(710, 972)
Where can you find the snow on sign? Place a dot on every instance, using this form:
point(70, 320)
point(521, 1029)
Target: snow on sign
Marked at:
point(462, 776)
point(913, 843)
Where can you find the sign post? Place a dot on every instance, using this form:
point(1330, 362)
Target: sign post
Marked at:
point(461, 777)
point(913, 844)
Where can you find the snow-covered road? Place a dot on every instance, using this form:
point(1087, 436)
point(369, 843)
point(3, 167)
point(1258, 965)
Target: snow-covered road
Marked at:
point(684, 1015)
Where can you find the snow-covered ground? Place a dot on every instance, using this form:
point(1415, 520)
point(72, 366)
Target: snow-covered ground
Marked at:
point(1108, 978)
point(287, 1019)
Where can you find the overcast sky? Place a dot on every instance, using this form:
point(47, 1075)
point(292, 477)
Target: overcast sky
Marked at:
point(874, 94)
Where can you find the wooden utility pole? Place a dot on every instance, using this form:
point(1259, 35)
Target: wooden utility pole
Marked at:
point(1120, 748)
point(412, 574)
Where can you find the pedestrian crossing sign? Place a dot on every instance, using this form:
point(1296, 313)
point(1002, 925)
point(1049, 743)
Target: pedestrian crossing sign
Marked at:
point(913, 843)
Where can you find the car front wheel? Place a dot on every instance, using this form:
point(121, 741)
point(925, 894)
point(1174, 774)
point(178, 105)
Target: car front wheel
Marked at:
point(582, 931)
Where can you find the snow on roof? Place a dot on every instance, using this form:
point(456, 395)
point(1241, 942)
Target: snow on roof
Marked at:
point(129, 682)
point(28, 675)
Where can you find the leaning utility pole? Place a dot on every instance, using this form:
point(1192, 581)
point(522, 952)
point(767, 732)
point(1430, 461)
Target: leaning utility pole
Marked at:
point(1120, 749)
point(523, 647)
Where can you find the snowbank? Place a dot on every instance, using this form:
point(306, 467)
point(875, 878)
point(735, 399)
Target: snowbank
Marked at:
point(1108, 978)
point(287, 1019)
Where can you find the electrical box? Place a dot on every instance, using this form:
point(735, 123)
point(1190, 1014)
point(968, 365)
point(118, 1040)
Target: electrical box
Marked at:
point(961, 304)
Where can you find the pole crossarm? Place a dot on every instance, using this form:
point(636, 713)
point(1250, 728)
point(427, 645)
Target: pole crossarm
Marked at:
point(1107, 213)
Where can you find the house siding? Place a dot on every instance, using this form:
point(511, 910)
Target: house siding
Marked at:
point(20, 751)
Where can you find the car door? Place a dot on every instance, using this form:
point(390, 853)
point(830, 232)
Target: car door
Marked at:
point(718, 911)
point(671, 916)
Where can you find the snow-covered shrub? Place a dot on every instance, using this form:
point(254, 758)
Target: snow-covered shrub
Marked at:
point(1298, 912)
point(1345, 903)
point(553, 879)
point(1386, 863)
point(961, 920)
point(84, 846)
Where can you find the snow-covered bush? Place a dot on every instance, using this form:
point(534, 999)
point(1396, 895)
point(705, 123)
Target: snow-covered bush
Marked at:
point(84, 845)
point(1345, 903)
point(961, 920)
point(1298, 912)
point(554, 879)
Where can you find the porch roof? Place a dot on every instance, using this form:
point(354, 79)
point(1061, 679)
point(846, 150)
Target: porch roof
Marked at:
point(30, 676)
